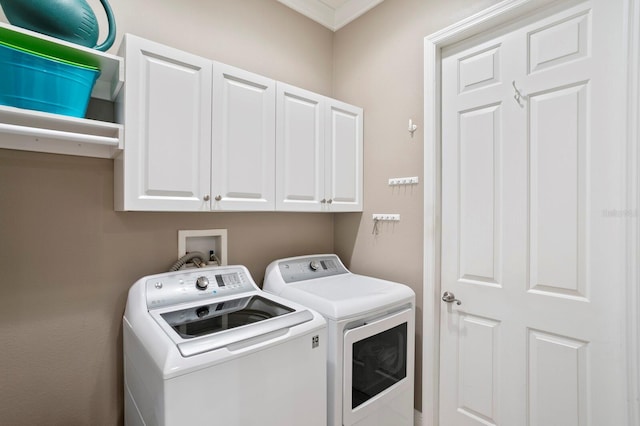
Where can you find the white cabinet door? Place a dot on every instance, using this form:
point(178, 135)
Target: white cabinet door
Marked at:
point(243, 154)
point(167, 116)
point(300, 150)
point(343, 156)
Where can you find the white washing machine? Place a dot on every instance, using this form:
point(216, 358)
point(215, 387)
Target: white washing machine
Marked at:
point(371, 325)
point(208, 347)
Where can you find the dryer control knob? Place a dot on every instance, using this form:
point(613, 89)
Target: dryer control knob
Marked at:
point(202, 283)
point(314, 265)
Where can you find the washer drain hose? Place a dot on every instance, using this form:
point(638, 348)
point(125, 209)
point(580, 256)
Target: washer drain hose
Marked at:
point(187, 257)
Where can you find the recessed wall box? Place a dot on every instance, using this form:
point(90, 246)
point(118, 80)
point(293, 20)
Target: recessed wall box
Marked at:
point(205, 241)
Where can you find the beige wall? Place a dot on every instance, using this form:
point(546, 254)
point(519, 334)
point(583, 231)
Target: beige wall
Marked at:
point(67, 258)
point(378, 65)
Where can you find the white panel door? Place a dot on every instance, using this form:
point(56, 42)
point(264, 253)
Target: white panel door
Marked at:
point(532, 155)
point(243, 150)
point(343, 156)
point(167, 116)
point(300, 155)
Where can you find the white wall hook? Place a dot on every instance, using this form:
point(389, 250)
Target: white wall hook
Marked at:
point(518, 95)
point(412, 127)
point(377, 217)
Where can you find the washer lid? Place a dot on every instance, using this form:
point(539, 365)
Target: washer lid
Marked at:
point(201, 328)
point(215, 316)
point(346, 295)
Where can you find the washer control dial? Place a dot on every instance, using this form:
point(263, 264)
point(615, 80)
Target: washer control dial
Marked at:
point(314, 265)
point(202, 283)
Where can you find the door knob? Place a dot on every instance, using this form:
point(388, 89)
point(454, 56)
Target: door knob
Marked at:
point(450, 298)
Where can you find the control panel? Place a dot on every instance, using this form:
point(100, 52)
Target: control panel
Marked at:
point(307, 268)
point(197, 284)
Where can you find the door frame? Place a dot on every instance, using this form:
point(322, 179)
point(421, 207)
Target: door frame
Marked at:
point(499, 14)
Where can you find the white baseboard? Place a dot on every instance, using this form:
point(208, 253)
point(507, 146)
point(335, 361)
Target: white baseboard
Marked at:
point(417, 418)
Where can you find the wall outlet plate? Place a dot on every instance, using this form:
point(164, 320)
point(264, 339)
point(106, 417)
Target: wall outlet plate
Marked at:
point(204, 240)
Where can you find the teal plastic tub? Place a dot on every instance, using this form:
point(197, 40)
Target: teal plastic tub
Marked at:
point(32, 81)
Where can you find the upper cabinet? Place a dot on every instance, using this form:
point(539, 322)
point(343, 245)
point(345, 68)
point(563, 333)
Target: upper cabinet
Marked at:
point(200, 135)
point(343, 156)
point(165, 107)
point(243, 155)
point(319, 152)
point(300, 150)
point(205, 136)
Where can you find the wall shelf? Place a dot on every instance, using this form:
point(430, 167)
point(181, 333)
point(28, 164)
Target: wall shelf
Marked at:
point(28, 130)
point(111, 67)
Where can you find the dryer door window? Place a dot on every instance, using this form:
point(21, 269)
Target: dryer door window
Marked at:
point(376, 364)
point(379, 362)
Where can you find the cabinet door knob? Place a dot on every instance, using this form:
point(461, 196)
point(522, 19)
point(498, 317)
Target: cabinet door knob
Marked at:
point(329, 201)
point(323, 201)
point(218, 198)
point(206, 197)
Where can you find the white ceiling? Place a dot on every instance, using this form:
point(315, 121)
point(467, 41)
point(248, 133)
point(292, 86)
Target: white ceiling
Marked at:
point(333, 14)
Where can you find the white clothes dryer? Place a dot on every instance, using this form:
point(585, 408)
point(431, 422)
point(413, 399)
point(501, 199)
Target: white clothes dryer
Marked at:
point(371, 333)
point(208, 347)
